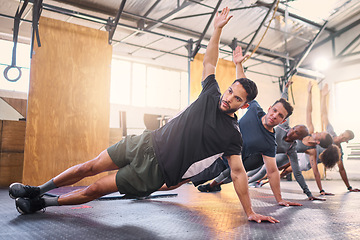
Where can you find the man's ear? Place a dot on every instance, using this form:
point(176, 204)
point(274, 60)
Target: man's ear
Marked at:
point(246, 105)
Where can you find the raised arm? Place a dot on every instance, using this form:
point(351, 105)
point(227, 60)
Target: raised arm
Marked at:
point(240, 182)
point(238, 58)
point(274, 180)
point(323, 108)
point(309, 122)
point(285, 94)
point(212, 50)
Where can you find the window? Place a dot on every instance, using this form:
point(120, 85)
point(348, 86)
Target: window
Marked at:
point(138, 85)
point(132, 84)
point(22, 61)
point(120, 82)
point(345, 115)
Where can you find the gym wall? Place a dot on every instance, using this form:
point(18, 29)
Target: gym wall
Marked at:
point(68, 102)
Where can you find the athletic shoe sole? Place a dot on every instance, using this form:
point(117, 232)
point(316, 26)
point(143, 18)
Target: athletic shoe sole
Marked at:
point(11, 193)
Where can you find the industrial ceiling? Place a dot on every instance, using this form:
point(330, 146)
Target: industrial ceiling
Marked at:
point(171, 32)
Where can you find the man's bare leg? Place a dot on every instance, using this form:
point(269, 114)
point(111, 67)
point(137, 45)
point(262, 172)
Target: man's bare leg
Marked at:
point(101, 187)
point(70, 176)
point(92, 167)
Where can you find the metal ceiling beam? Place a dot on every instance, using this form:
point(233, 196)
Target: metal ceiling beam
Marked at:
point(169, 15)
point(209, 13)
point(141, 21)
point(305, 20)
point(151, 8)
point(202, 4)
point(152, 49)
point(198, 46)
point(79, 15)
point(268, 52)
point(126, 15)
point(224, 51)
point(289, 33)
point(349, 45)
point(265, 74)
point(348, 55)
point(258, 30)
point(12, 17)
point(337, 33)
point(304, 54)
point(116, 21)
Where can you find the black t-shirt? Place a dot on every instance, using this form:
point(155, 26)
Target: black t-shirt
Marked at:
point(195, 138)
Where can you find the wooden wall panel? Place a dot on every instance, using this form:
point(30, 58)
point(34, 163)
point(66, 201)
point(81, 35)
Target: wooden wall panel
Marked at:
point(11, 168)
point(12, 139)
point(12, 136)
point(225, 75)
point(18, 104)
point(300, 94)
point(68, 102)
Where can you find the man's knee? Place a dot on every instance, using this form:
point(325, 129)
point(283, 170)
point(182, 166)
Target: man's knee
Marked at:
point(94, 191)
point(86, 168)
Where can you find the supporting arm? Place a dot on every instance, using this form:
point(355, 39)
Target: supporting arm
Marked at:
point(274, 179)
point(240, 182)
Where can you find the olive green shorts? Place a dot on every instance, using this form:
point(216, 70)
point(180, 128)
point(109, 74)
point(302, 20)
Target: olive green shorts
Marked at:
point(139, 173)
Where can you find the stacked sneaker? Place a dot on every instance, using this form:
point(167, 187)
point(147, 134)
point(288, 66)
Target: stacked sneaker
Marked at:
point(28, 199)
point(29, 205)
point(208, 188)
point(25, 191)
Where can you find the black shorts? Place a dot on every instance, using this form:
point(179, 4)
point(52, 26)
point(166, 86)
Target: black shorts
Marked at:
point(139, 173)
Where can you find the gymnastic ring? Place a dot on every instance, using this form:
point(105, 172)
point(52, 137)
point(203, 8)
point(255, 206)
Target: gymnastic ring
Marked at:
point(7, 70)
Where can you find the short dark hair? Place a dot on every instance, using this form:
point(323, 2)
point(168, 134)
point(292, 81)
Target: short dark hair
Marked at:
point(330, 156)
point(351, 134)
point(286, 105)
point(249, 86)
point(326, 142)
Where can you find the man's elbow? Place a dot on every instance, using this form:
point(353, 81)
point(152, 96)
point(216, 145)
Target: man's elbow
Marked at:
point(207, 64)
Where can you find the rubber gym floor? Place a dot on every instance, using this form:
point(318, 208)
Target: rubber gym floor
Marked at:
point(186, 213)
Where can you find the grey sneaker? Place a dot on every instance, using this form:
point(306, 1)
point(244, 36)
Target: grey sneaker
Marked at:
point(25, 191)
point(27, 205)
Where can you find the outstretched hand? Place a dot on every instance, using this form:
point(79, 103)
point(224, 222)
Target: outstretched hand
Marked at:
point(325, 90)
point(327, 193)
point(312, 198)
point(238, 56)
point(354, 190)
point(222, 19)
point(287, 85)
point(288, 203)
point(261, 218)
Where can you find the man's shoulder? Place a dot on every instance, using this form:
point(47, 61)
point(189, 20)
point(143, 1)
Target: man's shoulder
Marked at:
point(209, 79)
point(210, 85)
